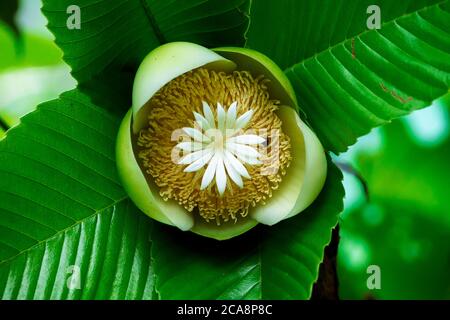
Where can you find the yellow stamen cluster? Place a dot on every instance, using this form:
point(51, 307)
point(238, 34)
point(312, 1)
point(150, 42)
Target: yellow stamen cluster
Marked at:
point(171, 109)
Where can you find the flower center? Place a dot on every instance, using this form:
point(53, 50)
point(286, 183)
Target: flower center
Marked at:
point(214, 143)
point(217, 144)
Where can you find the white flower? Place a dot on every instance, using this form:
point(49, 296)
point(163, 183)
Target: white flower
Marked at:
point(233, 168)
point(218, 144)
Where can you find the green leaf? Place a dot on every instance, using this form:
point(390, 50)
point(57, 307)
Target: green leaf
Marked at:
point(63, 212)
point(279, 262)
point(61, 207)
point(118, 34)
point(402, 67)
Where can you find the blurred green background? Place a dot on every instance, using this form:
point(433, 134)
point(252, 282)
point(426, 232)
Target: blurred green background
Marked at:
point(31, 66)
point(403, 225)
point(397, 178)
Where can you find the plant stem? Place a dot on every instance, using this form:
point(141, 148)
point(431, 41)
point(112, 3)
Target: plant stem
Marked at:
point(327, 285)
point(3, 124)
point(346, 167)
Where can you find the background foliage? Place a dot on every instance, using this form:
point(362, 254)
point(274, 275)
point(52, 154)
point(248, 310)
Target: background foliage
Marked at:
point(404, 226)
point(61, 204)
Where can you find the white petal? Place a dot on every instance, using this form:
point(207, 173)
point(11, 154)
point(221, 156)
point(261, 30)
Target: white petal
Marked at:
point(231, 115)
point(190, 146)
point(221, 117)
point(242, 150)
point(201, 121)
point(221, 177)
point(196, 135)
point(210, 171)
point(234, 175)
point(243, 120)
point(200, 163)
point(237, 165)
point(194, 156)
point(209, 115)
point(247, 139)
